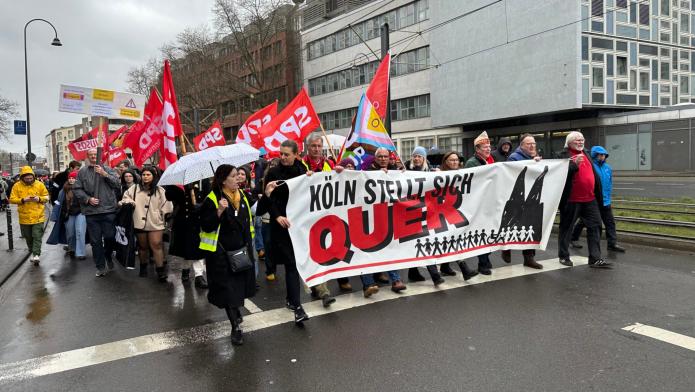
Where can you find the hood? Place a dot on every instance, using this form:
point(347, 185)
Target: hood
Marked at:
point(26, 170)
point(595, 150)
point(503, 141)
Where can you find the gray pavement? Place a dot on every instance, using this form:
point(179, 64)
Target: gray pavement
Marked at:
point(663, 187)
point(556, 330)
point(10, 260)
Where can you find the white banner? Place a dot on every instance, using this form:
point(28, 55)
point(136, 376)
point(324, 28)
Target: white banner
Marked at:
point(357, 222)
point(96, 102)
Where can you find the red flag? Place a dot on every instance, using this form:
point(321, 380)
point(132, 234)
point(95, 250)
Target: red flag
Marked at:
point(248, 133)
point(109, 144)
point(210, 138)
point(115, 156)
point(145, 137)
point(378, 90)
point(296, 121)
point(78, 147)
point(171, 121)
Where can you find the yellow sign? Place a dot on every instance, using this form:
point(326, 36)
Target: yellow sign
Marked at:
point(130, 113)
point(73, 96)
point(103, 95)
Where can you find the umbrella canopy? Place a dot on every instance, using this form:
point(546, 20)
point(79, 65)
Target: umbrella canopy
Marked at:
point(202, 164)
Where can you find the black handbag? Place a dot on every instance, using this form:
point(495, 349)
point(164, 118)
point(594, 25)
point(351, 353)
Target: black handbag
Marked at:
point(238, 260)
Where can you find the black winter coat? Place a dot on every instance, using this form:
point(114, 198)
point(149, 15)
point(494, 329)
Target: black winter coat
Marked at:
point(282, 250)
point(185, 231)
point(498, 154)
point(573, 169)
point(226, 288)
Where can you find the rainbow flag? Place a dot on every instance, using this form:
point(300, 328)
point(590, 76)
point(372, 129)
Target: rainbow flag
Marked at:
point(368, 133)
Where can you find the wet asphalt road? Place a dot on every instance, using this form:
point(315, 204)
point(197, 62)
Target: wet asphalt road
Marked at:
point(661, 187)
point(557, 330)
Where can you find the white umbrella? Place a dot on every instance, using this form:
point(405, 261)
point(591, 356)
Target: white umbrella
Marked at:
point(202, 164)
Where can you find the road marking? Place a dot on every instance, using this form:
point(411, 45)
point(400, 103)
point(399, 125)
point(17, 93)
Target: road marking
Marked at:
point(663, 335)
point(251, 307)
point(669, 184)
point(629, 189)
point(624, 183)
point(141, 345)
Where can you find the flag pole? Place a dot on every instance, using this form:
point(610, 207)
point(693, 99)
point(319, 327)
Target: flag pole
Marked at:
point(328, 141)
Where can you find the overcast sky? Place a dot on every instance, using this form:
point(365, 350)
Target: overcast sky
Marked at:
point(101, 40)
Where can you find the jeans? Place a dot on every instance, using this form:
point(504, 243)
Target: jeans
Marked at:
point(33, 235)
point(258, 240)
point(368, 279)
point(102, 234)
point(608, 221)
point(75, 230)
point(589, 212)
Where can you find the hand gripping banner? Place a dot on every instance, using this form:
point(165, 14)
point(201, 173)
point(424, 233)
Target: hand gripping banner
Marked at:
point(359, 222)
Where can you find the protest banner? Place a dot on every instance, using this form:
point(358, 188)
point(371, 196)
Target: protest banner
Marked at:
point(359, 222)
point(98, 102)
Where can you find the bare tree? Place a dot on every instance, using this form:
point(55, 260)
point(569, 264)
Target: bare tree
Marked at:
point(142, 78)
point(8, 110)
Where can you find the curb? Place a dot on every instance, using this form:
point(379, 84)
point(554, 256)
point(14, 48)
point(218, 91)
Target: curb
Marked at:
point(22, 260)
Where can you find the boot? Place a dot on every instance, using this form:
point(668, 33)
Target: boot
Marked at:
point(200, 282)
point(507, 256)
point(185, 275)
point(414, 275)
point(161, 274)
point(381, 277)
point(237, 338)
point(446, 270)
point(143, 270)
point(437, 279)
point(466, 271)
point(530, 261)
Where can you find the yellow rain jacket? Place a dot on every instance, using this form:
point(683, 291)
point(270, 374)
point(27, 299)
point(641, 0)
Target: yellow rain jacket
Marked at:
point(30, 212)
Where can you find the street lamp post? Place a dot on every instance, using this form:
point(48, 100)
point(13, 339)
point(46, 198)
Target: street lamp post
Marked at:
point(56, 42)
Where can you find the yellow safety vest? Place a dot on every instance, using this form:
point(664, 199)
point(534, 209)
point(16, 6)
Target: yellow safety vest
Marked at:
point(208, 240)
point(326, 166)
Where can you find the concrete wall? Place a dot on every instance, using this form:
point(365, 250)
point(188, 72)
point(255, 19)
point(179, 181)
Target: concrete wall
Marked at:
point(533, 75)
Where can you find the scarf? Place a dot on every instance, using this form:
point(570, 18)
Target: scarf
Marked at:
point(235, 198)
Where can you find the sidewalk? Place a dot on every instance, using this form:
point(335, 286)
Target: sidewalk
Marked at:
point(11, 260)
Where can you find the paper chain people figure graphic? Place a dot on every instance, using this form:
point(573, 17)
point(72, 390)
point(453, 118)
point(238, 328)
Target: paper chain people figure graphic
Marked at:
point(472, 239)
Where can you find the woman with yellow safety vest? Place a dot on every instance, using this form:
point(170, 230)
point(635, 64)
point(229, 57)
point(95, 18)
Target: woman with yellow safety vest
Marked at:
point(227, 226)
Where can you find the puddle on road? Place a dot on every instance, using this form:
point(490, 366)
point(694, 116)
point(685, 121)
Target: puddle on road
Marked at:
point(40, 307)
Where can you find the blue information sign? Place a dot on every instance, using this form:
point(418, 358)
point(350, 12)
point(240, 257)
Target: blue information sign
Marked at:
point(20, 127)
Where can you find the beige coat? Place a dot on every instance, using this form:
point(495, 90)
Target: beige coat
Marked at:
point(149, 209)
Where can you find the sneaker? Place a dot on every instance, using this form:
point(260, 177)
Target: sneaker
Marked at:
point(300, 315)
point(371, 290)
point(35, 259)
point(437, 281)
point(270, 277)
point(101, 272)
point(600, 263)
point(566, 262)
point(484, 271)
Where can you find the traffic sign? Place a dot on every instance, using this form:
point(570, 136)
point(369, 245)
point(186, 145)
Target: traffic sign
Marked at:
point(20, 127)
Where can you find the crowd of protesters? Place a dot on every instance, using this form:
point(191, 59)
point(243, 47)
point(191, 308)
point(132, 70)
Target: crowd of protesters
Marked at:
point(222, 227)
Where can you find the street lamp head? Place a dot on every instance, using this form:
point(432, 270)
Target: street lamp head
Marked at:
point(56, 42)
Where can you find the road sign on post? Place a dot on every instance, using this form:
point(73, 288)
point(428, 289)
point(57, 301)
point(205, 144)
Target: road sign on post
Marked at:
point(96, 102)
point(20, 127)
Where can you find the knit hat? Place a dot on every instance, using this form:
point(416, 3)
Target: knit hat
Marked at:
point(572, 136)
point(72, 174)
point(419, 150)
point(481, 139)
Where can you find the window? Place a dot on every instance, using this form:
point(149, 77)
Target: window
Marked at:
point(644, 14)
point(621, 45)
point(644, 81)
point(597, 57)
point(602, 43)
point(621, 65)
point(624, 99)
point(622, 85)
point(621, 3)
point(597, 78)
point(633, 80)
point(665, 7)
point(597, 8)
point(685, 90)
point(649, 50)
point(410, 108)
point(665, 67)
point(597, 97)
point(426, 142)
point(407, 147)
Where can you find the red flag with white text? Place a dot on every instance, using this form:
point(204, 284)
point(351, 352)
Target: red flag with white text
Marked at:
point(378, 90)
point(115, 156)
point(145, 137)
point(78, 147)
point(171, 121)
point(210, 138)
point(248, 133)
point(296, 121)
